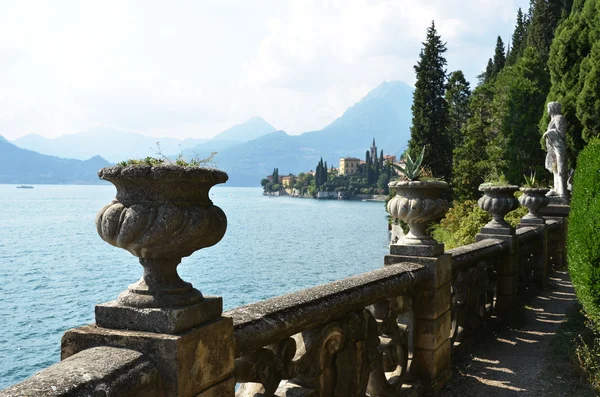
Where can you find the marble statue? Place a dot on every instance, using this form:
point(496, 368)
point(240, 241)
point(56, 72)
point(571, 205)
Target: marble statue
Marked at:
point(556, 146)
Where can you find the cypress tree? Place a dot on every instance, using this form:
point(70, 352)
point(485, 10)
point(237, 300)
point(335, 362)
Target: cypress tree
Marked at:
point(430, 113)
point(519, 93)
point(381, 160)
point(470, 158)
point(325, 173)
point(499, 58)
point(458, 95)
point(545, 15)
point(573, 64)
point(518, 39)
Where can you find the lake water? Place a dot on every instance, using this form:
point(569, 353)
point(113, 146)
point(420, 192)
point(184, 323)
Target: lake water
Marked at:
point(54, 267)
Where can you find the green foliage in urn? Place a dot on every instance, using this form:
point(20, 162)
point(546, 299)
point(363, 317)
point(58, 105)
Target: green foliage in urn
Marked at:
point(584, 226)
point(412, 169)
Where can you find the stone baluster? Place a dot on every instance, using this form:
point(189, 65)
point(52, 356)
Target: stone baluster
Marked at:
point(534, 199)
point(419, 203)
point(161, 214)
point(499, 201)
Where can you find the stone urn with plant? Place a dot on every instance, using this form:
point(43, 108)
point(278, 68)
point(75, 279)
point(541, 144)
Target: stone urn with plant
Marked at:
point(534, 199)
point(498, 199)
point(161, 213)
point(417, 202)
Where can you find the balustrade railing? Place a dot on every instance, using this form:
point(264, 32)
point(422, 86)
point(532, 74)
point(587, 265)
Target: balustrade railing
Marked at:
point(348, 338)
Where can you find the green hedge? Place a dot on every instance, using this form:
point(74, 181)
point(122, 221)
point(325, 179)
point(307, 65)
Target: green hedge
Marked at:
point(583, 238)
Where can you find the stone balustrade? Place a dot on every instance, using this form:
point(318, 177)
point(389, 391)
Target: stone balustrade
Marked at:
point(388, 332)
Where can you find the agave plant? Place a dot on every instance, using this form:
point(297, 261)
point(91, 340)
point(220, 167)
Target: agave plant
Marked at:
point(531, 181)
point(411, 169)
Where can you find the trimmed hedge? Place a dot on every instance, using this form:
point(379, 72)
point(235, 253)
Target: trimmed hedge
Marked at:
point(583, 239)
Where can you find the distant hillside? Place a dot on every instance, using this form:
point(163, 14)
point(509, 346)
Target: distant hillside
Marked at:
point(22, 166)
point(247, 131)
point(114, 145)
point(383, 114)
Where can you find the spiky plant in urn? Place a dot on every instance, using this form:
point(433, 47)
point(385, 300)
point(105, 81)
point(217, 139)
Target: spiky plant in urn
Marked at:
point(498, 199)
point(161, 213)
point(534, 199)
point(418, 203)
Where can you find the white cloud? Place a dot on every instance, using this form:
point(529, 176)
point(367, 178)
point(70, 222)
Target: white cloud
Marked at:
point(198, 67)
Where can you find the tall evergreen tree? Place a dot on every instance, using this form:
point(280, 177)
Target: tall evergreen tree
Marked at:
point(499, 58)
point(484, 77)
point(545, 15)
point(573, 64)
point(430, 113)
point(381, 164)
point(518, 103)
point(325, 173)
point(458, 95)
point(518, 40)
point(470, 158)
point(275, 175)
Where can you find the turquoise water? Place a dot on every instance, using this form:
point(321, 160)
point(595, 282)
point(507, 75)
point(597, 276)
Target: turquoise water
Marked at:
point(54, 267)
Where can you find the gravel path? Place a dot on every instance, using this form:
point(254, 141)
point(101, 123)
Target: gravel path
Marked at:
point(514, 359)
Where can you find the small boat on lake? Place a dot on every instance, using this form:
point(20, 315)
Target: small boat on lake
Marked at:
point(24, 187)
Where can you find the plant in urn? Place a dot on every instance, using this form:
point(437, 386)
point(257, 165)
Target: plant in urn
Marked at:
point(161, 213)
point(418, 203)
point(534, 199)
point(498, 199)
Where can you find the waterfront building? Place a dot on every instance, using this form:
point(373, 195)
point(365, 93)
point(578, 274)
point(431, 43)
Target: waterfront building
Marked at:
point(348, 165)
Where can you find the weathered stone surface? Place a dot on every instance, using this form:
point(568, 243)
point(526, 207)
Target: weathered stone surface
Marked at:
point(485, 248)
point(430, 334)
point(432, 304)
point(262, 323)
point(417, 203)
point(439, 268)
point(100, 371)
point(161, 214)
point(534, 199)
point(417, 250)
point(498, 201)
point(188, 363)
point(166, 320)
point(434, 364)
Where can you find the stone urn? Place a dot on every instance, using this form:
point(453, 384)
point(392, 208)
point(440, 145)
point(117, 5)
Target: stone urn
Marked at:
point(417, 203)
point(498, 201)
point(534, 199)
point(161, 214)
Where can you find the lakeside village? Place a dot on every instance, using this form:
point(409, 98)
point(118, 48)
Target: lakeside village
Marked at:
point(354, 179)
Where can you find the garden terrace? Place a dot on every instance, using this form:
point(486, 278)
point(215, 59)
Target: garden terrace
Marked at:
point(393, 331)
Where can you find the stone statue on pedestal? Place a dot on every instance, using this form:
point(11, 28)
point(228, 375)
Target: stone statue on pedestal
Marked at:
point(556, 146)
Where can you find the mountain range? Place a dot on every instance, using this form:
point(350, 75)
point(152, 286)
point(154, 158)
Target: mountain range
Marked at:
point(249, 151)
point(383, 114)
point(25, 166)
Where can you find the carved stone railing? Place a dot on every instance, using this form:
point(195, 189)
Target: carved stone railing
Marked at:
point(388, 332)
point(474, 282)
point(349, 338)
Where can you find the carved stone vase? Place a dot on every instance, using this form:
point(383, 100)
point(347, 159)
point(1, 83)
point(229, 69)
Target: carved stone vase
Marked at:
point(534, 199)
point(498, 201)
point(161, 214)
point(417, 203)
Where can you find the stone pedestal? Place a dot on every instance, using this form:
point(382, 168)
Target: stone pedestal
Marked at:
point(432, 307)
point(196, 362)
point(557, 241)
point(507, 286)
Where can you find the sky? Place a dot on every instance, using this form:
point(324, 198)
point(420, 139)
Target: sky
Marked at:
point(193, 68)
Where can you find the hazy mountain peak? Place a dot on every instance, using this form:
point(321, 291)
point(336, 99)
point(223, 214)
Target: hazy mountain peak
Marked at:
point(388, 88)
point(3, 139)
point(246, 131)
